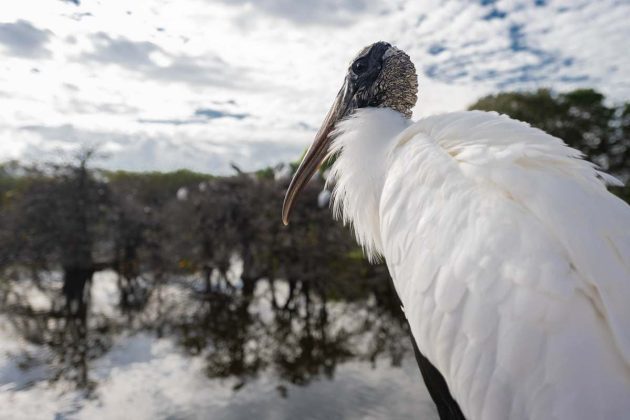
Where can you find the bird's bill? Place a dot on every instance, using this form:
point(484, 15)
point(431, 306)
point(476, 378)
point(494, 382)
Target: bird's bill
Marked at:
point(318, 150)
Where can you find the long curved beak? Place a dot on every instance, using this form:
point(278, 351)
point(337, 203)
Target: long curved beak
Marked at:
point(319, 148)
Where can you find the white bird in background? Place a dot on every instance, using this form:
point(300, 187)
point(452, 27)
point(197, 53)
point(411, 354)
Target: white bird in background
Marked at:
point(510, 257)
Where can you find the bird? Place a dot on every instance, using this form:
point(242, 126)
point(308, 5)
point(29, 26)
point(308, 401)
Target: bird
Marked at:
point(507, 251)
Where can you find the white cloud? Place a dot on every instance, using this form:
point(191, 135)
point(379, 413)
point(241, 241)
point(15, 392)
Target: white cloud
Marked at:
point(323, 12)
point(132, 75)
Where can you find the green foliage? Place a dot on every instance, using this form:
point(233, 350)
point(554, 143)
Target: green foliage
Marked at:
point(265, 173)
point(153, 188)
point(14, 178)
point(7, 182)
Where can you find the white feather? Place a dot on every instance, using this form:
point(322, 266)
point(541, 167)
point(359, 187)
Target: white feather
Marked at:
point(511, 258)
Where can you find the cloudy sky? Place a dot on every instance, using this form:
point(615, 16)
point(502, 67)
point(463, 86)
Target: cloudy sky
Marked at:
point(167, 84)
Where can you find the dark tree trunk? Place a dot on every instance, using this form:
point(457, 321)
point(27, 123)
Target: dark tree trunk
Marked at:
point(74, 281)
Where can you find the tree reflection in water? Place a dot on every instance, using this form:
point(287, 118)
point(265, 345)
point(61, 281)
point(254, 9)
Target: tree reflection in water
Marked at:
point(297, 333)
point(218, 275)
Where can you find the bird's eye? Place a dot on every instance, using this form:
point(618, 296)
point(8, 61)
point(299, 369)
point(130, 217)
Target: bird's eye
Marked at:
point(359, 67)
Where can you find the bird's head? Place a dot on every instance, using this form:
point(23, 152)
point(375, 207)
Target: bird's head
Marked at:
point(380, 76)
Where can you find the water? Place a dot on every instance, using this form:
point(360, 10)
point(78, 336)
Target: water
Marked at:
point(172, 348)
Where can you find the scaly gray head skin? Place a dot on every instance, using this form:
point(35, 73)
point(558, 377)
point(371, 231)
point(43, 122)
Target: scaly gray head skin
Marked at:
point(384, 77)
point(380, 76)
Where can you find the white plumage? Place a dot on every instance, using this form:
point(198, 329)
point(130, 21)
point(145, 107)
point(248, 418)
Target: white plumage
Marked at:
point(511, 258)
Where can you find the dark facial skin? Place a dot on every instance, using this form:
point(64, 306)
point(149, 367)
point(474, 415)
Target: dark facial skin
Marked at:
point(363, 74)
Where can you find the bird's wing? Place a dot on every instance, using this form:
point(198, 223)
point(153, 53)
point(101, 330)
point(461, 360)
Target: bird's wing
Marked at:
point(513, 263)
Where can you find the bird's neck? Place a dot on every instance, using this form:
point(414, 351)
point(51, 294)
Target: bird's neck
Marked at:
point(363, 145)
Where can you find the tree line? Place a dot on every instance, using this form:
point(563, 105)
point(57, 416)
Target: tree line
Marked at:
point(79, 219)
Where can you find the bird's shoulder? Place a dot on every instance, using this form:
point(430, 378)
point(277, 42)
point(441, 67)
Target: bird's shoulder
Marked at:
point(530, 177)
point(480, 137)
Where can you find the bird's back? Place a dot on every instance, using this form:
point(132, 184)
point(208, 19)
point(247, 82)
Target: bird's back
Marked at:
point(513, 265)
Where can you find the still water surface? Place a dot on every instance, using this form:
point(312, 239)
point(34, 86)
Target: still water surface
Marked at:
point(178, 351)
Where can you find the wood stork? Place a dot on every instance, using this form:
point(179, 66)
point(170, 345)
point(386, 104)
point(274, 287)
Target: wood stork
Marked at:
point(510, 257)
